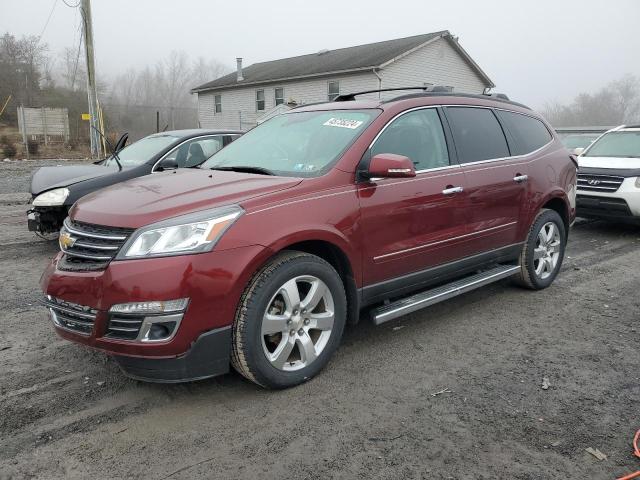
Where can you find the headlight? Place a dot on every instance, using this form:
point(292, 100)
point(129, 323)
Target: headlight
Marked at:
point(638, 182)
point(52, 198)
point(192, 233)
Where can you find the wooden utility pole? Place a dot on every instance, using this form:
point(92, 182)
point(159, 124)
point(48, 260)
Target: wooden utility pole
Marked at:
point(92, 94)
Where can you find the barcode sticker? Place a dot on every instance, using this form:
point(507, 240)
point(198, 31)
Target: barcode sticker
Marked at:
point(343, 123)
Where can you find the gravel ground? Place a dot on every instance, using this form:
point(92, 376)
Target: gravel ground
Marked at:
point(67, 412)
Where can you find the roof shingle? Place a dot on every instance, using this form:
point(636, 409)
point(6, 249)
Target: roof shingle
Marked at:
point(339, 60)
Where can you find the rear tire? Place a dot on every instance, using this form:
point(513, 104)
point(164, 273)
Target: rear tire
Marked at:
point(289, 321)
point(543, 251)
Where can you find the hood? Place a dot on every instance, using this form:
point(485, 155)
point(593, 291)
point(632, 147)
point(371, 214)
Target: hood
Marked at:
point(46, 178)
point(610, 162)
point(159, 196)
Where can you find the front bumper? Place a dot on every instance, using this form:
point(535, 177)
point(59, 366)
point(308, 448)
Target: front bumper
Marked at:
point(208, 357)
point(213, 282)
point(46, 219)
point(621, 205)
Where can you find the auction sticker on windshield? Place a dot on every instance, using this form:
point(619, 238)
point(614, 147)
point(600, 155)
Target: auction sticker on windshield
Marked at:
point(344, 123)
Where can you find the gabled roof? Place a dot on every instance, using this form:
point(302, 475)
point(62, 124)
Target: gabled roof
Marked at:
point(341, 60)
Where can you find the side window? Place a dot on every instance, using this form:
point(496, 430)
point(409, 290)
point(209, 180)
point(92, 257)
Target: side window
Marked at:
point(278, 94)
point(333, 90)
point(525, 133)
point(259, 100)
point(417, 135)
point(477, 134)
point(196, 151)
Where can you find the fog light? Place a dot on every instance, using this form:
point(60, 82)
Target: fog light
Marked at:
point(150, 308)
point(160, 331)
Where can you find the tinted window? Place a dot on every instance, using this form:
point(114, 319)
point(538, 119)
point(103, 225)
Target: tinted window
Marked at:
point(417, 135)
point(477, 134)
point(526, 134)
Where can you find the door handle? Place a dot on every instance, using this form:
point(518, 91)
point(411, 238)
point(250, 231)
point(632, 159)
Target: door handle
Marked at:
point(520, 178)
point(452, 190)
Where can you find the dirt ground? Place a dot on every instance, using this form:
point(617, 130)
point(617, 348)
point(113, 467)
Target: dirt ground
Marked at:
point(67, 412)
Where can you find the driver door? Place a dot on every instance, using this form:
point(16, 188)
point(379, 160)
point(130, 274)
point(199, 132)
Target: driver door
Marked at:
point(411, 224)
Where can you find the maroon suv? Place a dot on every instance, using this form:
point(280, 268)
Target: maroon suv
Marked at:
point(260, 257)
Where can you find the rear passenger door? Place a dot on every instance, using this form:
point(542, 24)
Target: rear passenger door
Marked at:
point(496, 181)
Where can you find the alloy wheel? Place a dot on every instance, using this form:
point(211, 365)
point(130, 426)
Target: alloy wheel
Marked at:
point(297, 323)
point(547, 251)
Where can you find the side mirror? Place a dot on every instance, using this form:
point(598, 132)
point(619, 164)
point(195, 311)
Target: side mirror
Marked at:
point(390, 165)
point(167, 164)
point(577, 151)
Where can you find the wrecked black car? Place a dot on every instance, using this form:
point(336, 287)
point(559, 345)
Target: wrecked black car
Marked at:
point(55, 189)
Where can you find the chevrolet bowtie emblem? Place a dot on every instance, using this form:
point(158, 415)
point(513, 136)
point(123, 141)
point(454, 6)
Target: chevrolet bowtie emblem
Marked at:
point(66, 241)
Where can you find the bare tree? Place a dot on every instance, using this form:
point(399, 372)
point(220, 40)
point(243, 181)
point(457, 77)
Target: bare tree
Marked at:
point(617, 103)
point(204, 71)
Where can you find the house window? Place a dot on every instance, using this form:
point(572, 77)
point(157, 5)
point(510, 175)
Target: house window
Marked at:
point(218, 103)
point(333, 90)
point(279, 96)
point(260, 100)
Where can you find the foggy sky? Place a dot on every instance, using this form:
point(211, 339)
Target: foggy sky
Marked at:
point(535, 51)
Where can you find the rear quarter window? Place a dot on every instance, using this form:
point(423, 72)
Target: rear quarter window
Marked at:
point(526, 134)
point(477, 134)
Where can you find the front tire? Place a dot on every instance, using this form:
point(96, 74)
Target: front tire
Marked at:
point(543, 251)
point(289, 321)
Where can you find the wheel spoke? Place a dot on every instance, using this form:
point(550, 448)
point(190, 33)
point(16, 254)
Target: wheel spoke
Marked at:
point(540, 267)
point(291, 294)
point(281, 354)
point(316, 292)
point(548, 265)
point(322, 321)
point(538, 253)
point(306, 348)
point(551, 231)
point(274, 323)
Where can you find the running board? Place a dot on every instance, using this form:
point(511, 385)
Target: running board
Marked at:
point(439, 294)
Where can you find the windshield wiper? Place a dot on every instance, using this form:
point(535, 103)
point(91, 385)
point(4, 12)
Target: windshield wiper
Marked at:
point(246, 169)
point(114, 154)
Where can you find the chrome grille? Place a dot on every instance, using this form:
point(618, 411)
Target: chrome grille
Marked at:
point(124, 327)
point(71, 316)
point(599, 183)
point(89, 247)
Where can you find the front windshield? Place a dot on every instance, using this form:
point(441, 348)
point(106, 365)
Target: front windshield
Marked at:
point(616, 144)
point(301, 144)
point(578, 141)
point(141, 151)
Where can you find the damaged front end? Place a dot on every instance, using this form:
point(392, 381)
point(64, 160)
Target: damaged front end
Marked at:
point(45, 220)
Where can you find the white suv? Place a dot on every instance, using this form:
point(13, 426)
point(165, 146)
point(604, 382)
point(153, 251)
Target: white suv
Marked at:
point(609, 176)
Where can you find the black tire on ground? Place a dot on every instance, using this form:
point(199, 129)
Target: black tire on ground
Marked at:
point(248, 356)
point(527, 276)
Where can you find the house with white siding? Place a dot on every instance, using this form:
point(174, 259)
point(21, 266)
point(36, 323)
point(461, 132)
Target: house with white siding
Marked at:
point(241, 99)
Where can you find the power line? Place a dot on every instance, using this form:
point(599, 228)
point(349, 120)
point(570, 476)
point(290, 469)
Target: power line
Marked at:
point(53, 7)
point(75, 68)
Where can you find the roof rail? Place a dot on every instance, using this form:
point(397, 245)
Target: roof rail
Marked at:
point(349, 97)
point(428, 91)
point(482, 96)
point(497, 95)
